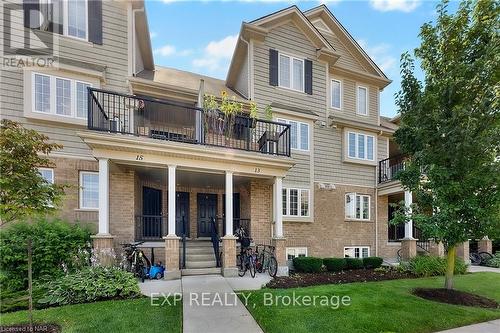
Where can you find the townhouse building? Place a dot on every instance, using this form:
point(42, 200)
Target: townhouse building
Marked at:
point(147, 161)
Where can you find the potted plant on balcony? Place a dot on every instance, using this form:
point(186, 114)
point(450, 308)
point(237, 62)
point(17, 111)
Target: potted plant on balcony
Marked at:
point(211, 110)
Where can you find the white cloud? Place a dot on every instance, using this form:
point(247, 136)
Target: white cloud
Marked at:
point(217, 55)
point(397, 5)
point(380, 53)
point(152, 34)
point(170, 50)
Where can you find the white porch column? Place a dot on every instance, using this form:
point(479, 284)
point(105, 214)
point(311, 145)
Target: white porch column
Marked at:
point(409, 224)
point(103, 196)
point(278, 204)
point(229, 203)
point(171, 200)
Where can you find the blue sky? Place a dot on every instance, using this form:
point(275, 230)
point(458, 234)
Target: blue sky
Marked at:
point(200, 36)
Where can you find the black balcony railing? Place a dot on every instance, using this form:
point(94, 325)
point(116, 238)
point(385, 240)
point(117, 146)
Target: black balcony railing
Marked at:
point(150, 227)
point(160, 119)
point(389, 168)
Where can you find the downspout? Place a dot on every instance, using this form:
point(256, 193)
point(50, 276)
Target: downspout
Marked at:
point(248, 67)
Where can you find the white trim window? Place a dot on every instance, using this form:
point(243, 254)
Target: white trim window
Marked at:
point(290, 72)
point(59, 96)
point(357, 206)
point(356, 252)
point(362, 100)
point(360, 146)
point(336, 94)
point(296, 202)
point(75, 19)
point(299, 134)
point(295, 252)
point(89, 190)
point(47, 174)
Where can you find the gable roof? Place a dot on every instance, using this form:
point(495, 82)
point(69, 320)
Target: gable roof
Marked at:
point(329, 19)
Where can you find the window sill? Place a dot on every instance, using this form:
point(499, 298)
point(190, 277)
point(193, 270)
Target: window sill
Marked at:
point(86, 209)
point(356, 220)
point(360, 161)
point(54, 118)
point(300, 151)
point(76, 40)
point(291, 90)
point(308, 219)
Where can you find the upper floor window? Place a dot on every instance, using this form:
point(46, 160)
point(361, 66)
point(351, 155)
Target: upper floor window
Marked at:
point(59, 96)
point(89, 190)
point(47, 174)
point(291, 72)
point(299, 134)
point(295, 202)
point(360, 146)
point(362, 98)
point(76, 18)
point(336, 93)
point(357, 206)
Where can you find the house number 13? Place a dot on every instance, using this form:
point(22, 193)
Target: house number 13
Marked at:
point(139, 157)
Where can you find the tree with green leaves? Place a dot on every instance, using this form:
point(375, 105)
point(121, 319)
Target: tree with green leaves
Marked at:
point(24, 192)
point(450, 127)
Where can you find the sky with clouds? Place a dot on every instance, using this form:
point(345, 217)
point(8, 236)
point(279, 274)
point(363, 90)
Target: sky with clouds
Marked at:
point(200, 36)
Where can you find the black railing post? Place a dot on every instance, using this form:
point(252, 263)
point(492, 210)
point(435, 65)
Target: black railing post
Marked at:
point(183, 243)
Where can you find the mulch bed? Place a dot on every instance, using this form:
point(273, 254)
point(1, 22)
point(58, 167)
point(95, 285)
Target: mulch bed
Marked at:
point(313, 279)
point(455, 297)
point(42, 328)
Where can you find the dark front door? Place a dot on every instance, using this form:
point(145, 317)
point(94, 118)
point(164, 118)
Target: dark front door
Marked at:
point(151, 210)
point(207, 209)
point(182, 213)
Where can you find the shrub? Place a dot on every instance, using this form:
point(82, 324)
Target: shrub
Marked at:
point(307, 264)
point(353, 263)
point(18, 300)
point(372, 262)
point(334, 264)
point(89, 285)
point(54, 244)
point(424, 266)
point(495, 261)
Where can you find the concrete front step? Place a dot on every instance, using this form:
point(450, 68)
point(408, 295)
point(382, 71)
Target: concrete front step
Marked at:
point(201, 264)
point(198, 250)
point(197, 244)
point(200, 256)
point(200, 271)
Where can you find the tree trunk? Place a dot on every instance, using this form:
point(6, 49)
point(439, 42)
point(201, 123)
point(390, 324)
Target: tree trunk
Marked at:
point(450, 267)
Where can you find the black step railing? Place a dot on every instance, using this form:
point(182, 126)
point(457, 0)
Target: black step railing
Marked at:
point(214, 236)
point(389, 168)
point(150, 227)
point(163, 120)
point(184, 233)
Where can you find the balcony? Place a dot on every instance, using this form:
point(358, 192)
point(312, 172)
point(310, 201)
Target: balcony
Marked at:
point(389, 168)
point(163, 120)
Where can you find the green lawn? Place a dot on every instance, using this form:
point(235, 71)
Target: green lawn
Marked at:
point(377, 307)
point(135, 315)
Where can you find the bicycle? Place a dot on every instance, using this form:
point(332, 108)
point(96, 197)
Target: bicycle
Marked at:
point(266, 261)
point(136, 260)
point(246, 259)
point(480, 258)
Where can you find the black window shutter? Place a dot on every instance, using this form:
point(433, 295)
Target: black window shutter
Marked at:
point(31, 10)
point(308, 77)
point(95, 21)
point(55, 14)
point(273, 67)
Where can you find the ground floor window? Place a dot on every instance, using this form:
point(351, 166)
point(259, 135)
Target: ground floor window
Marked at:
point(356, 252)
point(89, 190)
point(296, 202)
point(294, 252)
point(47, 174)
point(357, 206)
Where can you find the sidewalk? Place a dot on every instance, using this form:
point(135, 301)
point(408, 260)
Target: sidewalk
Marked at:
point(486, 327)
point(475, 269)
point(210, 305)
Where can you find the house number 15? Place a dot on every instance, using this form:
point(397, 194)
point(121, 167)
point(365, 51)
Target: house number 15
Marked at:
point(139, 157)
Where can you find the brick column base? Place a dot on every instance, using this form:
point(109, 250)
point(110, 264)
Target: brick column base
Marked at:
point(485, 245)
point(172, 258)
point(408, 248)
point(103, 249)
point(463, 252)
point(436, 249)
point(280, 253)
point(229, 268)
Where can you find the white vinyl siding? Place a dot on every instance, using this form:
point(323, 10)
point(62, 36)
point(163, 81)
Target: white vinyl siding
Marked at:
point(362, 101)
point(360, 146)
point(299, 134)
point(291, 72)
point(336, 94)
point(59, 96)
point(89, 190)
point(356, 252)
point(357, 206)
point(296, 202)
